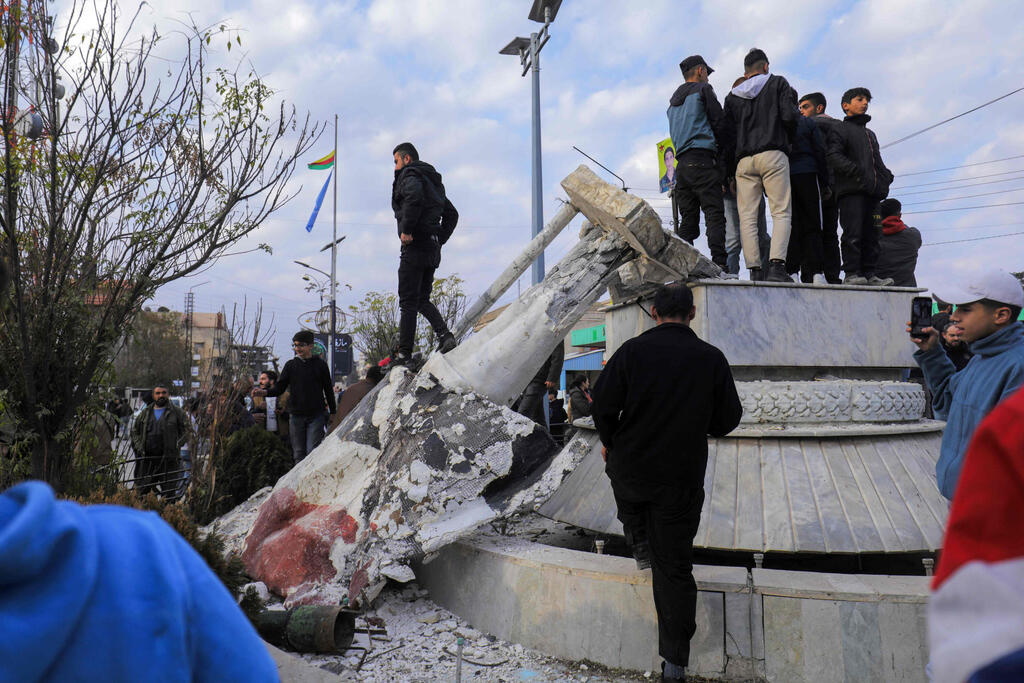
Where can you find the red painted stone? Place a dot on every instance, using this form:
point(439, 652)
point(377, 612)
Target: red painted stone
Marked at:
point(291, 541)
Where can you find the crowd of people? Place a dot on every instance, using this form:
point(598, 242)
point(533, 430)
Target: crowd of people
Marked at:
point(816, 172)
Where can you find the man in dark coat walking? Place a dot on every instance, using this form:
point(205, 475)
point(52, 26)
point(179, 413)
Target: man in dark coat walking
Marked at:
point(655, 403)
point(158, 434)
point(426, 219)
point(531, 403)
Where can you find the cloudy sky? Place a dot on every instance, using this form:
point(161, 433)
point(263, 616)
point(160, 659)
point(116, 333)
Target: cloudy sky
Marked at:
point(430, 72)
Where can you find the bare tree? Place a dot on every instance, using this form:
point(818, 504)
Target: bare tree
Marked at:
point(146, 170)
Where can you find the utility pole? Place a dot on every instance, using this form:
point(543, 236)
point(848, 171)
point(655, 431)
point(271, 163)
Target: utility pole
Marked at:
point(334, 258)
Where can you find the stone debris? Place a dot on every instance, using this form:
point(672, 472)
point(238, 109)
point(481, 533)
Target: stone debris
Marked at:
point(414, 652)
point(427, 458)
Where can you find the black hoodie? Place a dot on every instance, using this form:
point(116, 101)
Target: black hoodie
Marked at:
point(762, 111)
point(421, 207)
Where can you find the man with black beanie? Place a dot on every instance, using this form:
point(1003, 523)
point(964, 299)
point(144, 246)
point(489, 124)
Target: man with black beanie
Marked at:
point(426, 219)
point(311, 395)
point(763, 114)
point(655, 403)
point(700, 137)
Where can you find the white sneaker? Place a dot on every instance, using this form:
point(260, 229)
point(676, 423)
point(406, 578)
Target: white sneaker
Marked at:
point(796, 277)
point(819, 279)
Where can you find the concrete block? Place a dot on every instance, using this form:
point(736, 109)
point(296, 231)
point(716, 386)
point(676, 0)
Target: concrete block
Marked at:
point(803, 325)
point(783, 639)
point(862, 641)
point(904, 642)
point(572, 604)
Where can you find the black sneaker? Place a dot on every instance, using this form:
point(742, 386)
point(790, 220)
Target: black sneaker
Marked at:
point(400, 358)
point(756, 275)
point(447, 342)
point(777, 271)
point(670, 679)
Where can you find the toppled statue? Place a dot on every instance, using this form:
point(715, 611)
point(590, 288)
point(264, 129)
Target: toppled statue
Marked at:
point(428, 457)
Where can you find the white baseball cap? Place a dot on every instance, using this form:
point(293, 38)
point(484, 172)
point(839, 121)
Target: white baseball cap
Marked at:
point(994, 285)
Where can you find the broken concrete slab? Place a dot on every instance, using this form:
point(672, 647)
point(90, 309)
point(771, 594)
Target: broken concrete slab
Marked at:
point(427, 458)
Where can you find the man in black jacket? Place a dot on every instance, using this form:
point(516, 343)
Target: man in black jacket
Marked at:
point(656, 401)
point(311, 396)
point(699, 133)
point(426, 219)
point(860, 181)
point(763, 113)
point(158, 434)
point(813, 106)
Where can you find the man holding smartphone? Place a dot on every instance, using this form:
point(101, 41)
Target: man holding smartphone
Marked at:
point(988, 304)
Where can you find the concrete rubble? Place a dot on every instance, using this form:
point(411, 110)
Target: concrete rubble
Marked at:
point(428, 457)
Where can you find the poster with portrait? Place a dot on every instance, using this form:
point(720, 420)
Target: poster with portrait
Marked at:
point(666, 165)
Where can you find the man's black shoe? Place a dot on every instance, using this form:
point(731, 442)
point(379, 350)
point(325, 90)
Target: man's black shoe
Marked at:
point(400, 358)
point(670, 679)
point(777, 271)
point(756, 275)
point(447, 343)
point(642, 555)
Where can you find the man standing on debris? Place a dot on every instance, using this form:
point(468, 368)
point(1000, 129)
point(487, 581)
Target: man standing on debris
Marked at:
point(311, 396)
point(698, 132)
point(988, 305)
point(763, 114)
point(426, 219)
point(813, 106)
point(157, 436)
point(656, 461)
point(861, 180)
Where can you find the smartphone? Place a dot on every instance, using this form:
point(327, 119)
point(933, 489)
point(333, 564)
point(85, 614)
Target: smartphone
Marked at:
point(920, 316)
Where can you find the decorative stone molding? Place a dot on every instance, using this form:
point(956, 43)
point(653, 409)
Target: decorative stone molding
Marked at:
point(830, 401)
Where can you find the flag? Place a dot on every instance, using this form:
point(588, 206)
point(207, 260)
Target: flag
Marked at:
point(319, 199)
point(976, 611)
point(323, 163)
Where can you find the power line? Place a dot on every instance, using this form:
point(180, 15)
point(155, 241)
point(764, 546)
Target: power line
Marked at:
point(953, 168)
point(966, 196)
point(957, 187)
point(963, 208)
point(972, 239)
point(957, 180)
point(952, 118)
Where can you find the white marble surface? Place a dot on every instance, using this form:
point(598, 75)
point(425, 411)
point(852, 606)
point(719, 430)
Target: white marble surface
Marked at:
point(790, 325)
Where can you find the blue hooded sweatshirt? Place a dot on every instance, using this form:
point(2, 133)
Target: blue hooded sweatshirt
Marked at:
point(112, 594)
point(964, 398)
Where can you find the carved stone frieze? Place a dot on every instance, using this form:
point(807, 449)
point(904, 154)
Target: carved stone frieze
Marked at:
point(830, 401)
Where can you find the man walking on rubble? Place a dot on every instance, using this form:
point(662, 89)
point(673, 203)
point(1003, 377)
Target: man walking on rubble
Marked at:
point(656, 461)
point(699, 133)
point(426, 219)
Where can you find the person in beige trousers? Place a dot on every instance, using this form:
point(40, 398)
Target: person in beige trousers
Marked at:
point(763, 111)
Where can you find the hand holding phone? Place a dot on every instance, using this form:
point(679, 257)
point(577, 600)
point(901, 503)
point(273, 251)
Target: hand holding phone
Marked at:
point(920, 326)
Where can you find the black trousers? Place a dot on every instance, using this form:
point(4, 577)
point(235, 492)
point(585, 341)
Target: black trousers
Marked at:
point(860, 235)
point(830, 259)
point(699, 188)
point(805, 244)
point(668, 520)
point(415, 281)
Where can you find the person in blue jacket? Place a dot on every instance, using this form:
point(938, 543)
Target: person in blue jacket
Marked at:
point(987, 307)
point(110, 594)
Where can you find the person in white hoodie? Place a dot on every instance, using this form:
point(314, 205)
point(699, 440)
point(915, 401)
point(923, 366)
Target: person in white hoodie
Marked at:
point(762, 111)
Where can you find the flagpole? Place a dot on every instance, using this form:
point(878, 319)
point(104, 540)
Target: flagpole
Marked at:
point(334, 255)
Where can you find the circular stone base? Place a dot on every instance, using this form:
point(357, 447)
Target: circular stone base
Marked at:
point(780, 625)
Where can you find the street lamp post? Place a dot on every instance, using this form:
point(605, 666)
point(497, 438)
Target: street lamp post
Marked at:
point(528, 51)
